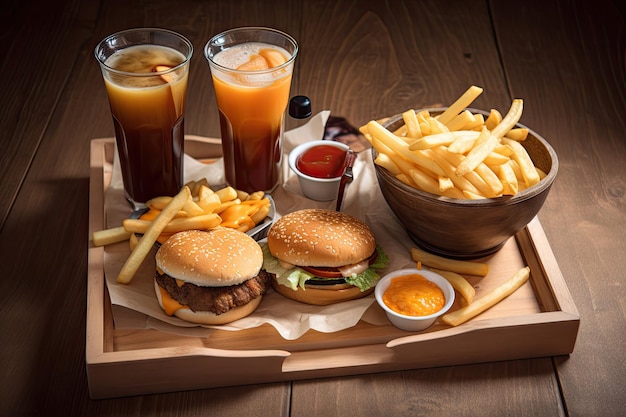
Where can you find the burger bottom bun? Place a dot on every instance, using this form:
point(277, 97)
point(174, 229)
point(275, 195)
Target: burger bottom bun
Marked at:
point(322, 295)
point(206, 317)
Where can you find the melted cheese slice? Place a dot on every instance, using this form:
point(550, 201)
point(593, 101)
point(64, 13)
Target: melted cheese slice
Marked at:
point(170, 306)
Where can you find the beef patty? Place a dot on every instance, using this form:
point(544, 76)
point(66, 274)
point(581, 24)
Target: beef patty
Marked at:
point(217, 300)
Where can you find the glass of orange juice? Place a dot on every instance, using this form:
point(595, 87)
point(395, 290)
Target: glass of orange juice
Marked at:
point(145, 73)
point(251, 69)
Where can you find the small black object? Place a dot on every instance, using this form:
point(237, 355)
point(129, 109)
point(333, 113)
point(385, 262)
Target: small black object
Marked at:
point(300, 107)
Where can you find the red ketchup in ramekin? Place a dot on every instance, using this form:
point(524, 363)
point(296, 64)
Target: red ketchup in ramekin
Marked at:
point(322, 161)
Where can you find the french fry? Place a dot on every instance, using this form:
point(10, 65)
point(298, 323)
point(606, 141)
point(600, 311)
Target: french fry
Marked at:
point(460, 182)
point(487, 301)
point(519, 134)
point(478, 153)
point(504, 150)
point(459, 283)
point(463, 142)
point(109, 236)
point(412, 124)
point(472, 196)
point(257, 195)
point(227, 194)
point(508, 179)
point(242, 195)
point(194, 186)
point(132, 241)
point(223, 206)
point(403, 165)
point(542, 174)
point(204, 192)
point(477, 124)
point(402, 148)
point(158, 203)
point(491, 179)
point(460, 267)
point(436, 126)
point(383, 160)
point(209, 203)
point(424, 181)
point(201, 222)
point(510, 120)
point(406, 179)
point(495, 158)
point(261, 214)
point(192, 209)
point(494, 118)
point(531, 177)
point(401, 132)
point(445, 184)
point(463, 119)
point(439, 139)
point(479, 182)
point(422, 118)
point(137, 256)
point(461, 103)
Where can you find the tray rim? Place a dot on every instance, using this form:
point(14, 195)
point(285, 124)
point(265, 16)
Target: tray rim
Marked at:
point(105, 365)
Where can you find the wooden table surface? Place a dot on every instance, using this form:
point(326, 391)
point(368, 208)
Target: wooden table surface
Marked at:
point(362, 60)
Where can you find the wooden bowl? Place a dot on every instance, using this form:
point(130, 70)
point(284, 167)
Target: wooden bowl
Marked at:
point(467, 229)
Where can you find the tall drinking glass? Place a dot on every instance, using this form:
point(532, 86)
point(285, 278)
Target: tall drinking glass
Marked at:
point(145, 72)
point(251, 69)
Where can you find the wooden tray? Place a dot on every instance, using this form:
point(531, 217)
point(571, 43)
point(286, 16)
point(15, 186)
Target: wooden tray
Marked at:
point(538, 320)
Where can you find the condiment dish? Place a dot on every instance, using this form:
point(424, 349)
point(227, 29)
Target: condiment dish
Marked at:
point(414, 323)
point(319, 189)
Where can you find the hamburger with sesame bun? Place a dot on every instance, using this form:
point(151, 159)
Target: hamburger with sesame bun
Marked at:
point(322, 257)
point(210, 277)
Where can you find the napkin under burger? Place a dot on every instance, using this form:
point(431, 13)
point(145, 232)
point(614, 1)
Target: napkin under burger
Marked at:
point(322, 257)
point(210, 277)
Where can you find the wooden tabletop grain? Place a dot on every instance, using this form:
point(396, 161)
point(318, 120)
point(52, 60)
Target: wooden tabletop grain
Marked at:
point(362, 60)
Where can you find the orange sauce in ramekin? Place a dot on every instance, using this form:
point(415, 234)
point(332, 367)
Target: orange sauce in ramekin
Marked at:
point(413, 295)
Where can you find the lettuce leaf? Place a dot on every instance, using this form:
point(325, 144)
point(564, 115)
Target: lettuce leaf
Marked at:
point(296, 277)
point(368, 278)
point(292, 278)
point(382, 260)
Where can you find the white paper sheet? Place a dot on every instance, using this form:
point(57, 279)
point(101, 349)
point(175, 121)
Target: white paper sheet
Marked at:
point(135, 305)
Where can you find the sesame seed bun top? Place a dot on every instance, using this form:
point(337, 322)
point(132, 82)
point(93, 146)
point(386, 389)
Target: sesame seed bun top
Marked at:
point(317, 237)
point(215, 258)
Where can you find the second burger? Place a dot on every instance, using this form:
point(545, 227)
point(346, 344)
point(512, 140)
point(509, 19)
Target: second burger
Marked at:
point(322, 257)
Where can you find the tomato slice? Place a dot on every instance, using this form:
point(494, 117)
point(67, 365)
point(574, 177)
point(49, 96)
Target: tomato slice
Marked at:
point(322, 271)
point(330, 272)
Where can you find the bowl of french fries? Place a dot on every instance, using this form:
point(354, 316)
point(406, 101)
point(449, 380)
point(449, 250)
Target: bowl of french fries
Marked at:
point(462, 181)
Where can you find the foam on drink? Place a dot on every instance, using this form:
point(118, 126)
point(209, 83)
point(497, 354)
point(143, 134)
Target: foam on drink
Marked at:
point(236, 56)
point(253, 57)
point(143, 59)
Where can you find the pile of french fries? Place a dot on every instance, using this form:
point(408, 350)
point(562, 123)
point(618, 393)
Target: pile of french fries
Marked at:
point(458, 154)
point(452, 270)
point(195, 207)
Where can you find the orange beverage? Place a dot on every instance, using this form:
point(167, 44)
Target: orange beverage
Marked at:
point(147, 87)
point(251, 70)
